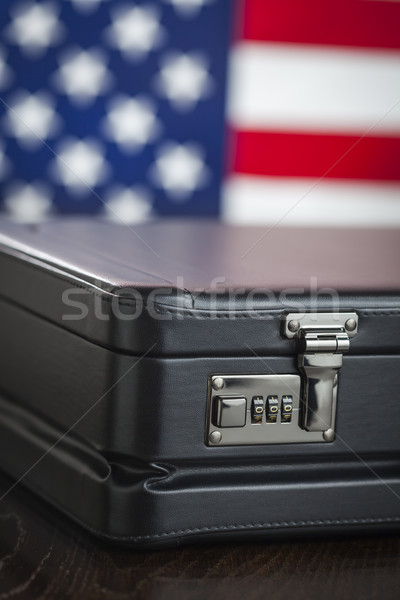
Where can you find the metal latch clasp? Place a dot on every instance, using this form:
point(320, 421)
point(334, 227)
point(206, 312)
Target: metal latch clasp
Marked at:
point(322, 338)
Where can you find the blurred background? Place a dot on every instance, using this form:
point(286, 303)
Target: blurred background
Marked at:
point(254, 111)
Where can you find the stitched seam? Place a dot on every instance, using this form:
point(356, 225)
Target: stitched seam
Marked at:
point(272, 312)
point(240, 527)
point(273, 525)
point(216, 528)
point(257, 526)
point(190, 314)
point(380, 313)
point(227, 528)
point(206, 314)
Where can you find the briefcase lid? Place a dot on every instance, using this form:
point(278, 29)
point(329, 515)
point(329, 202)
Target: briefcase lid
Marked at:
point(200, 287)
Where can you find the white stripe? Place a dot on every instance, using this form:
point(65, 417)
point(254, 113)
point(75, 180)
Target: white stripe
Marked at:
point(302, 202)
point(287, 86)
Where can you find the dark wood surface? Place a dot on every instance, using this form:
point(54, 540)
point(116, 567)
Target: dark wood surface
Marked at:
point(43, 555)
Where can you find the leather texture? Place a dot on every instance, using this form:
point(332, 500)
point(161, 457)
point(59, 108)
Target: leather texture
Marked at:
point(157, 410)
point(198, 276)
point(134, 503)
point(118, 437)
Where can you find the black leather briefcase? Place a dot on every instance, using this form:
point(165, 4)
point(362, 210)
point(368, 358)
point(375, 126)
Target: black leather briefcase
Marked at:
point(179, 381)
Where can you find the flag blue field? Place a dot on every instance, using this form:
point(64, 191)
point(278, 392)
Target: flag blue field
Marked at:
point(110, 107)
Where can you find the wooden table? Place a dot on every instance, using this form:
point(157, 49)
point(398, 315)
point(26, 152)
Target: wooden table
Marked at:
point(43, 555)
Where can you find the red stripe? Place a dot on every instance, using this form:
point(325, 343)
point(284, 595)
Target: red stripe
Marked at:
point(310, 155)
point(374, 24)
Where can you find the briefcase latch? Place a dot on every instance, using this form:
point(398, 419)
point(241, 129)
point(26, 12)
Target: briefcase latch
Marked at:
point(322, 339)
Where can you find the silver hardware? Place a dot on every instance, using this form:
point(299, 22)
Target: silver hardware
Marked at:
point(229, 412)
point(248, 387)
point(318, 322)
point(218, 383)
point(329, 435)
point(293, 326)
point(322, 339)
point(215, 437)
point(351, 324)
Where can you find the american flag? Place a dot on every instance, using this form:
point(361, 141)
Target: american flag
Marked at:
point(256, 111)
point(314, 108)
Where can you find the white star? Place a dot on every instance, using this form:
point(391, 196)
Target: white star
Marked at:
point(135, 31)
point(180, 169)
point(83, 75)
point(28, 203)
point(131, 122)
point(188, 8)
point(35, 27)
point(80, 165)
point(86, 7)
point(129, 205)
point(184, 79)
point(5, 71)
point(31, 118)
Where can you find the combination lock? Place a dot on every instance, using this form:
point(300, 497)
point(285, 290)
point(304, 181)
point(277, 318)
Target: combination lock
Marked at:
point(285, 408)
